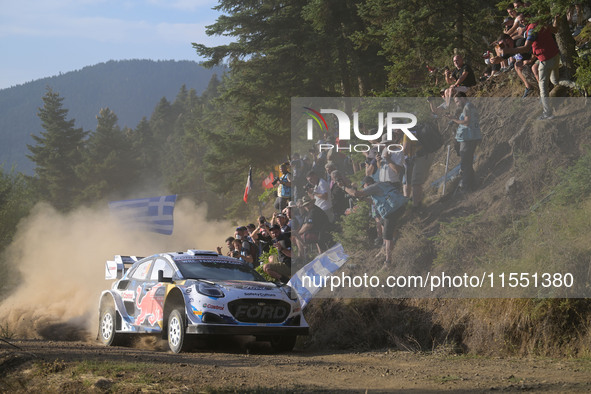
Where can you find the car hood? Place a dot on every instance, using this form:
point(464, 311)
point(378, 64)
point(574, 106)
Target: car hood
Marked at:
point(241, 288)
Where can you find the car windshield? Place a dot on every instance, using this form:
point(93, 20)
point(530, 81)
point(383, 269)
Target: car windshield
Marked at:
point(217, 269)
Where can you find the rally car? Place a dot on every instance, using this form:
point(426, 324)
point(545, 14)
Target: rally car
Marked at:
point(187, 295)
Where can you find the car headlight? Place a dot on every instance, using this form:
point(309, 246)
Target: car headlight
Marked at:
point(209, 290)
point(291, 293)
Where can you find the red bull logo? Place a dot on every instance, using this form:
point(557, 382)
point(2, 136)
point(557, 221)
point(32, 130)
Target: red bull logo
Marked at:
point(150, 306)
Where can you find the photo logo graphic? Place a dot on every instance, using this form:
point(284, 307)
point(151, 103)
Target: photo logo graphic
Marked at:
point(390, 122)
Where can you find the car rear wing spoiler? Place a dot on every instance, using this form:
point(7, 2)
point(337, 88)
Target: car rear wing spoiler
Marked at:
point(115, 269)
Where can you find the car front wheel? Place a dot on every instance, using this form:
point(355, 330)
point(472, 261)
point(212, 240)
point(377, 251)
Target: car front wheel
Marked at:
point(107, 334)
point(177, 331)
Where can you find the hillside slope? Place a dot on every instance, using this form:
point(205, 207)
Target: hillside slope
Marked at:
point(531, 213)
point(130, 88)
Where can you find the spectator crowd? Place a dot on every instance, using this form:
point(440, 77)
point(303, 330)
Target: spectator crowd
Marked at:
point(315, 190)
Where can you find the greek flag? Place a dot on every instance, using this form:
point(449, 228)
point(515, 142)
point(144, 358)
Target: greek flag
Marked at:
point(322, 266)
point(149, 214)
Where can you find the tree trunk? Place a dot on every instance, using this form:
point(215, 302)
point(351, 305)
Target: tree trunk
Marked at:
point(566, 44)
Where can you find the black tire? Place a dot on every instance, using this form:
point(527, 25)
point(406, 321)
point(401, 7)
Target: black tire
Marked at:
point(283, 343)
point(177, 331)
point(107, 320)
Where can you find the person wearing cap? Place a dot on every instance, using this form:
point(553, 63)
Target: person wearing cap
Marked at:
point(280, 270)
point(314, 223)
point(374, 190)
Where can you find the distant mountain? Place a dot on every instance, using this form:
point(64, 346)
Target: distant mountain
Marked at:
point(130, 88)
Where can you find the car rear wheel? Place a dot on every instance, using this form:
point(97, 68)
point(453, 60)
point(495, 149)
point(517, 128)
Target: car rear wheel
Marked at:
point(284, 343)
point(107, 333)
point(177, 331)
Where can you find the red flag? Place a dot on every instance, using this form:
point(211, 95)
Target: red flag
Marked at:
point(248, 185)
point(268, 181)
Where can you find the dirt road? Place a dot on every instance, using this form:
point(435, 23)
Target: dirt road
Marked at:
point(41, 366)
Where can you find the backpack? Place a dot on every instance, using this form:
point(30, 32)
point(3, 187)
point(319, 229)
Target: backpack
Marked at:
point(430, 138)
point(390, 201)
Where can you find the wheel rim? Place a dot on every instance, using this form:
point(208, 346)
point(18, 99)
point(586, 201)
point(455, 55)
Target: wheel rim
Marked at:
point(107, 326)
point(174, 331)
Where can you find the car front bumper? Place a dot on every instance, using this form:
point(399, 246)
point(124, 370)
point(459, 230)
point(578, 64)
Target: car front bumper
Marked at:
point(225, 329)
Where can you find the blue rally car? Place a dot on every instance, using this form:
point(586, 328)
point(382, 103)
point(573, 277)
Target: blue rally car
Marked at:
point(186, 295)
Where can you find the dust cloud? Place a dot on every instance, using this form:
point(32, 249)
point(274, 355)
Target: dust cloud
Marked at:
point(61, 260)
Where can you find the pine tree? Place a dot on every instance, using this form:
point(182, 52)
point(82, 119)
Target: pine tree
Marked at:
point(57, 153)
point(108, 165)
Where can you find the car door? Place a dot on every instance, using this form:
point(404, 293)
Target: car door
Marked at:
point(150, 300)
point(128, 287)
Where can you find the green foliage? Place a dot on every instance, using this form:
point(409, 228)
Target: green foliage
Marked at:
point(16, 200)
point(131, 88)
point(456, 239)
point(576, 181)
point(57, 153)
point(583, 62)
point(108, 163)
point(264, 259)
point(413, 34)
point(354, 234)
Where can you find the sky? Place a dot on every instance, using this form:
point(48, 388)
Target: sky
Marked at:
point(43, 38)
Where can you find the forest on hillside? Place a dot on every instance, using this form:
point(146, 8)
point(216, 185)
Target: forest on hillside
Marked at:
point(130, 88)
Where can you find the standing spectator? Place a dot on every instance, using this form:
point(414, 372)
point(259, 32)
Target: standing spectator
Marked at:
point(389, 215)
point(329, 167)
point(460, 80)
point(392, 163)
point(284, 189)
point(468, 137)
point(417, 165)
point(340, 200)
point(543, 46)
point(299, 169)
point(321, 194)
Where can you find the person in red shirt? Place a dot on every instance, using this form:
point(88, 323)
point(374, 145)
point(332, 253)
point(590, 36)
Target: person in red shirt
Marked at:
point(541, 43)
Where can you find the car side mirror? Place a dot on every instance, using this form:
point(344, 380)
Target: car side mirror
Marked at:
point(162, 278)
